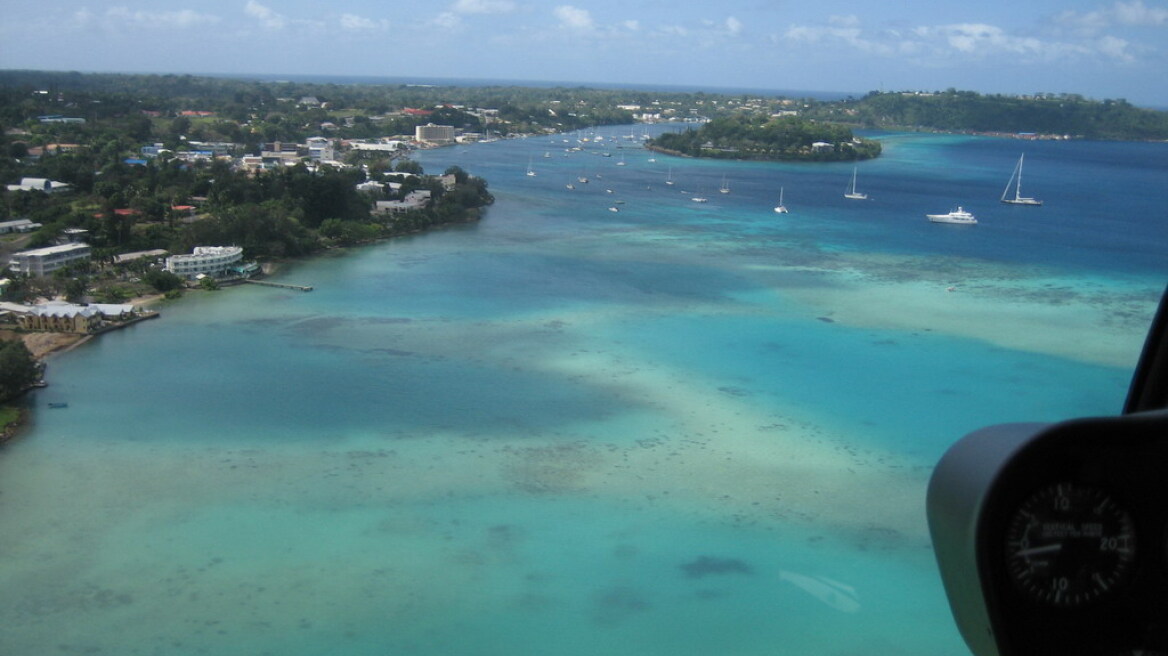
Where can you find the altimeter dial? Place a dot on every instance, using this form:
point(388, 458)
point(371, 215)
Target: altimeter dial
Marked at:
point(1069, 544)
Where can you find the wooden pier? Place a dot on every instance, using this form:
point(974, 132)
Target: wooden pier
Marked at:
point(282, 285)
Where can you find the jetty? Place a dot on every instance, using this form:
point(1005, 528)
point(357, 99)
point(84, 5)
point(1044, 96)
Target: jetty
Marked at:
point(282, 285)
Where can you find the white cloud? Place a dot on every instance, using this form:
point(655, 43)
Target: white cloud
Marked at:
point(1135, 13)
point(447, 20)
point(1114, 47)
point(483, 6)
point(185, 18)
point(632, 25)
point(933, 44)
point(269, 18)
point(733, 26)
point(573, 17)
point(972, 37)
point(1130, 14)
point(82, 17)
point(356, 23)
point(845, 31)
point(849, 21)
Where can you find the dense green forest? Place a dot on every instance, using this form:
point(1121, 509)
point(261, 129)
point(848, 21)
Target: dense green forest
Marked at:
point(18, 369)
point(742, 136)
point(966, 111)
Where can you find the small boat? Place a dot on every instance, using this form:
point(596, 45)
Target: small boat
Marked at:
point(614, 209)
point(725, 188)
point(58, 405)
point(781, 208)
point(570, 186)
point(853, 194)
point(530, 171)
point(958, 215)
point(700, 199)
point(1016, 182)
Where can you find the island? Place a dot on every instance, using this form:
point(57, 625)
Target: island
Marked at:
point(785, 138)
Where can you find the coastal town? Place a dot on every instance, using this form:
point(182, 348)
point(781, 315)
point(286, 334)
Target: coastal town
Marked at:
point(121, 191)
point(90, 243)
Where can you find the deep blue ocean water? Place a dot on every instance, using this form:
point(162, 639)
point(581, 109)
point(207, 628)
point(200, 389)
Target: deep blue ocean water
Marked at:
point(677, 428)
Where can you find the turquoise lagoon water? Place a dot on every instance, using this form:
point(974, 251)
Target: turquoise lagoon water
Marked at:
point(680, 428)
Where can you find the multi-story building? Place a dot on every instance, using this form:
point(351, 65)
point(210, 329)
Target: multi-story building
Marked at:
point(18, 225)
point(431, 133)
point(43, 261)
point(205, 260)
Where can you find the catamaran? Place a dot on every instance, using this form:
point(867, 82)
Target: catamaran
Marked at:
point(1016, 181)
point(853, 194)
point(781, 208)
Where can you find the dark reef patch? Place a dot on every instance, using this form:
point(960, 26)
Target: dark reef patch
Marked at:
point(710, 566)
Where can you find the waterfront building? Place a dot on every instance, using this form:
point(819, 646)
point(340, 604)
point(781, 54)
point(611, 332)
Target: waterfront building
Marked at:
point(418, 199)
point(44, 261)
point(204, 260)
point(388, 146)
point(64, 317)
point(437, 134)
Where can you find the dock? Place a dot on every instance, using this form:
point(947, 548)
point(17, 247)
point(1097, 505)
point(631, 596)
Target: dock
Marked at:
point(281, 285)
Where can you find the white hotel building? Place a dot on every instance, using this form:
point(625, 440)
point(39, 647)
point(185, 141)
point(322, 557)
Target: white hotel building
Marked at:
point(43, 261)
point(205, 260)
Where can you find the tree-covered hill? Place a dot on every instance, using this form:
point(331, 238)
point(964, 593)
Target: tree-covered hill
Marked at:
point(966, 111)
point(743, 136)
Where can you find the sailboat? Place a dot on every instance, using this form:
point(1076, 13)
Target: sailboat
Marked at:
point(1018, 198)
point(781, 208)
point(853, 194)
point(669, 180)
point(725, 188)
point(530, 171)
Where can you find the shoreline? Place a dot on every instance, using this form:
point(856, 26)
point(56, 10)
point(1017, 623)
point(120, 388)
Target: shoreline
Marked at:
point(43, 345)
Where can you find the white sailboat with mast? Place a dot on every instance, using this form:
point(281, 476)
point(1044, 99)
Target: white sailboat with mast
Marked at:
point(853, 194)
point(781, 208)
point(1016, 182)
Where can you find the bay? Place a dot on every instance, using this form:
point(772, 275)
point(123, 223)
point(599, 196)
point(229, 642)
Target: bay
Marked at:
point(677, 427)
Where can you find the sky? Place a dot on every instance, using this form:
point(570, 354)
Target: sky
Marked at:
point(1095, 48)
